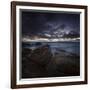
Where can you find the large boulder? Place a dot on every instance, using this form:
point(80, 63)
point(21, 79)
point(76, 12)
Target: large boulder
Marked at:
point(41, 55)
point(35, 62)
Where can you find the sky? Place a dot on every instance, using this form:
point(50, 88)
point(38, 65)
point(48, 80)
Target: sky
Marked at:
point(34, 23)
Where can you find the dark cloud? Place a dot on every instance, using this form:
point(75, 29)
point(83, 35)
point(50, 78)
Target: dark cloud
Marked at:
point(39, 22)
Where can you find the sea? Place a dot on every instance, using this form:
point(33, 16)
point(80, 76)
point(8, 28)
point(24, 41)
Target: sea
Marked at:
point(56, 47)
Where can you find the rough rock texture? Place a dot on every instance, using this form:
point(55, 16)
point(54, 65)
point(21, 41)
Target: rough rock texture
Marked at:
point(42, 55)
point(40, 62)
point(34, 62)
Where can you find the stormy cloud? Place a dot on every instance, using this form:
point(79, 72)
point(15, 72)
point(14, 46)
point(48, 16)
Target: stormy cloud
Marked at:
point(34, 23)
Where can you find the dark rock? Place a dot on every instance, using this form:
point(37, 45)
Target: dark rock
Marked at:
point(34, 62)
point(41, 63)
point(41, 55)
point(26, 52)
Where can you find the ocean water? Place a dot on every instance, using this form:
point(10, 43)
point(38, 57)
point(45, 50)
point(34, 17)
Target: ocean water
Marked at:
point(56, 47)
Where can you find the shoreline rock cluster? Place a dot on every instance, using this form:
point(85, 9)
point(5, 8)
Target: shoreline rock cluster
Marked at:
point(41, 63)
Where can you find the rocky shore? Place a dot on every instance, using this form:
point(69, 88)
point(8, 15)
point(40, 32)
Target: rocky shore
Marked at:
point(40, 62)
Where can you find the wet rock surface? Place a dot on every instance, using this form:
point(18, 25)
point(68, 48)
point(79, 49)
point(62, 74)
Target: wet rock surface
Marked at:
point(40, 62)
